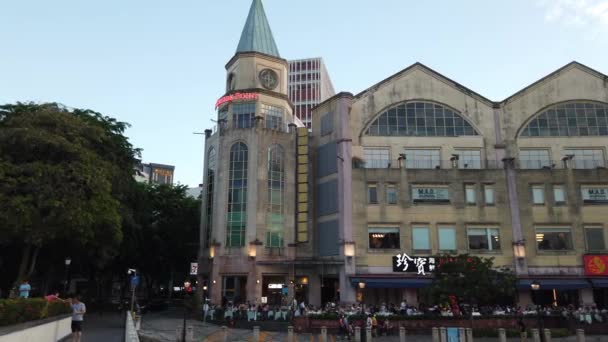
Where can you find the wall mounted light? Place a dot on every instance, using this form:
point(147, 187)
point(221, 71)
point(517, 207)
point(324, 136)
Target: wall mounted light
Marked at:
point(213, 249)
point(519, 249)
point(252, 250)
point(361, 285)
point(349, 250)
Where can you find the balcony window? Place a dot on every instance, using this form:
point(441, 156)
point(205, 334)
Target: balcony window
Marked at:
point(469, 159)
point(534, 159)
point(273, 116)
point(422, 159)
point(243, 115)
point(586, 158)
point(376, 158)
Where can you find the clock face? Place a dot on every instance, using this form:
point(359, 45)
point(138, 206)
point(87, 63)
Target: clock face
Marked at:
point(269, 79)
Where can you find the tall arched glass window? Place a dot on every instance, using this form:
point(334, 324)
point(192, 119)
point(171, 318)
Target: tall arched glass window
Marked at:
point(420, 119)
point(211, 160)
point(570, 119)
point(276, 186)
point(236, 219)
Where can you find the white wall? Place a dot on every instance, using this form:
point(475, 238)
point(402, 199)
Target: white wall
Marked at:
point(52, 331)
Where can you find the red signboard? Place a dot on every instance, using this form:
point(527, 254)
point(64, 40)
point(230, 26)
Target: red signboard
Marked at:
point(236, 96)
point(596, 265)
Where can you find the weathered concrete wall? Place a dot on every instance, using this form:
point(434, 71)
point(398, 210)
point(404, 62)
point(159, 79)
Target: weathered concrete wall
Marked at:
point(48, 330)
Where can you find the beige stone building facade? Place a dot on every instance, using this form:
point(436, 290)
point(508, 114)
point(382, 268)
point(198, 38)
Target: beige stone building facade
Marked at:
point(413, 167)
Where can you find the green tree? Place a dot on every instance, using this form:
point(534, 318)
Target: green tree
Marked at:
point(162, 239)
point(63, 175)
point(470, 279)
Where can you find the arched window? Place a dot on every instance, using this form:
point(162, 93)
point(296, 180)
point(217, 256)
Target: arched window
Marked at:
point(211, 160)
point(420, 119)
point(571, 119)
point(276, 185)
point(236, 219)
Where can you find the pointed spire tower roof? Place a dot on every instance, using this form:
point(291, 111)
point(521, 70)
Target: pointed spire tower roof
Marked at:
point(257, 36)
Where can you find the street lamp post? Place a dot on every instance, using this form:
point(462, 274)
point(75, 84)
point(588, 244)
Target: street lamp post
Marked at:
point(66, 285)
point(535, 286)
point(361, 288)
point(186, 290)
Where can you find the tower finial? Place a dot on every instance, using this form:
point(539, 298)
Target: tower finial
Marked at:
point(257, 35)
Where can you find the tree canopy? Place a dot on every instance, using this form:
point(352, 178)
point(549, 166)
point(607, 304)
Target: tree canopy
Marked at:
point(470, 279)
point(63, 176)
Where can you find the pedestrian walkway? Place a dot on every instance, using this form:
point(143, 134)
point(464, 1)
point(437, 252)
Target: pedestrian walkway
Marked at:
point(103, 328)
point(160, 328)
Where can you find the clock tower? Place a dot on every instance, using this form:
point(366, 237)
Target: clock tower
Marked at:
point(248, 231)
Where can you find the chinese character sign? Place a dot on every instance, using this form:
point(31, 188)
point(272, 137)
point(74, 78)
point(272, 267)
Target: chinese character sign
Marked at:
point(404, 263)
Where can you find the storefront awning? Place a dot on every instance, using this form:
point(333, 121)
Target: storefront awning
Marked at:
point(558, 284)
point(391, 283)
point(601, 282)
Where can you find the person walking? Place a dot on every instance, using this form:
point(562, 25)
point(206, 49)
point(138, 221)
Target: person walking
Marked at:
point(24, 289)
point(78, 311)
point(523, 334)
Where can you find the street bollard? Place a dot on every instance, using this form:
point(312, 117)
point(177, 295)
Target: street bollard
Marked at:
point(402, 334)
point(190, 333)
point(580, 335)
point(290, 334)
point(469, 334)
point(435, 334)
point(178, 333)
point(535, 335)
point(462, 335)
point(256, 333)
point(547, 333)
point(323, 334)
point(368, 334)
point(357, 334)
point(224, 333)
point(502, 335)
point(443, 334)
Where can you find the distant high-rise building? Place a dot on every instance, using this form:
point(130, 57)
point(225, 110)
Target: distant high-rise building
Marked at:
point(309, 84)
point(154, 173)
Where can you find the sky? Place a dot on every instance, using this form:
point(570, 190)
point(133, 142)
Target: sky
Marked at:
point(160, 65)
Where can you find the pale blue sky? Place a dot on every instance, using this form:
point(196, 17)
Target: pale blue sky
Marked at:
point(159, 65)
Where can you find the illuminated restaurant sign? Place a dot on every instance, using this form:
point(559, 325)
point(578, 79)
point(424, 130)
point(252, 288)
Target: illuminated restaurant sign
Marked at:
point(235, 97)
point(430, 194)
point(595, 194)
point(404, 263)
point(596, 265)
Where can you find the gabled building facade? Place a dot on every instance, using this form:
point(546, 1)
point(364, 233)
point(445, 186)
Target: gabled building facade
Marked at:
point(415, 166)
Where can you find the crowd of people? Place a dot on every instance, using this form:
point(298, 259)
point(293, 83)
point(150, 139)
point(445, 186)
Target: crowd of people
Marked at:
point(377, 316)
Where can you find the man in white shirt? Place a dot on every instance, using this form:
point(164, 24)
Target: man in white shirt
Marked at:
point(78, 311)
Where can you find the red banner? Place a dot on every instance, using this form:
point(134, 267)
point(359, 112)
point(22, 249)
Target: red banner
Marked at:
point(596, 265)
